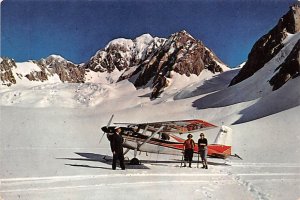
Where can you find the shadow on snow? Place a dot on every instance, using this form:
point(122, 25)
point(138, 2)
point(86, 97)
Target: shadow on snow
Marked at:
point(99, 158)
point(108, 160)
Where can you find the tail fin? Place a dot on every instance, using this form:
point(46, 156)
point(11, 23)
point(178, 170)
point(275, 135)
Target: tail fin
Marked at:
point(224, 136)
point(222, 144)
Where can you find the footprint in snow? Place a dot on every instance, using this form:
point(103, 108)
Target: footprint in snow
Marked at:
point(207, 194)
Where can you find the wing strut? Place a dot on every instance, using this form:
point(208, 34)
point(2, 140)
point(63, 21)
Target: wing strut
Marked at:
point(144, 131)
point(149, 138)
point(126, 151)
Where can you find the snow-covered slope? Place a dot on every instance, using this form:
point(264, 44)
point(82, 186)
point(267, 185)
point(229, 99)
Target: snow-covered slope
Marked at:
point(258, 89)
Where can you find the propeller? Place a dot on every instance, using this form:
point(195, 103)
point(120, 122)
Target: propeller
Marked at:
point(108, 124)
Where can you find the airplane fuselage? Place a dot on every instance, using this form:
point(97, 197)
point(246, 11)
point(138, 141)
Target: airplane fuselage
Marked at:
point(155, 140)
point(173, 145)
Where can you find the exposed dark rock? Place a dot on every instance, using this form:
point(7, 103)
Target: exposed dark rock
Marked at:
point(6, 75)
point(159, 83)
point(290, 68)
point(67, 71)
point(182, 54)
point(37, 76)
point(270, 44)
point(123, 53)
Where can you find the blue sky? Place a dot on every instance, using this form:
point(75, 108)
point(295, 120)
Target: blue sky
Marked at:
point(76, 29)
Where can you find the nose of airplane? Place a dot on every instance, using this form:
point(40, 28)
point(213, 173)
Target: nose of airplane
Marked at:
point(105, 129)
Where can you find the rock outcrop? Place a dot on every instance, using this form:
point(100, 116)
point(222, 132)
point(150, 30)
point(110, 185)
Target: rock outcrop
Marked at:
point(270, 44)
point(66, 70)
point(123, 53)
point(289, 69)
point(6, 67)
point(181, 53)
point(41, 71)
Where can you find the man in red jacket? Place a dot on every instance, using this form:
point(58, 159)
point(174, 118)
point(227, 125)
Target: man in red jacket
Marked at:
point(189, 145)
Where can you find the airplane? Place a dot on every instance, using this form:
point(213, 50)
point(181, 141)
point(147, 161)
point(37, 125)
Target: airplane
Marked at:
point(165, 137)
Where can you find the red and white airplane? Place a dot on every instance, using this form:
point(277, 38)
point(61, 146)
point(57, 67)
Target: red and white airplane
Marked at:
point(166, 137)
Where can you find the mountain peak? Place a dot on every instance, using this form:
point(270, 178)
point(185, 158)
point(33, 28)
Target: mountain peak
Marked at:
point(297, 3)
point(145, 38)
point(120, 42)
point(54, 57)
point(182, 54)
point(270, 44)
point(123, 53)
point(182, 34)
point(292, 18)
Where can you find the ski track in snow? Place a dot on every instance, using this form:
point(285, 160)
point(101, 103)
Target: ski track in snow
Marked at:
point(206, 183)
point(254, 190)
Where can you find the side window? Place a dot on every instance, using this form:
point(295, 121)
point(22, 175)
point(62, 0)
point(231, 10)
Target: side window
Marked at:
point(165, 136)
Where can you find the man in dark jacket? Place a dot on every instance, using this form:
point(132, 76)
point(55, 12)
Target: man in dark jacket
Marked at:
point(202, 146)
point(116, 141)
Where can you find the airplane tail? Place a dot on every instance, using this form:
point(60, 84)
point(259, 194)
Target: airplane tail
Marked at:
point(224, 136)
point(221, 148)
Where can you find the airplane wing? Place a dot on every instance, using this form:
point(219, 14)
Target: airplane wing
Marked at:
point(179, 127)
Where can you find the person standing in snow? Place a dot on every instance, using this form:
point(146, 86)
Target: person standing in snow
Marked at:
point(189, 145)
point(116, 141)
point(202, 146)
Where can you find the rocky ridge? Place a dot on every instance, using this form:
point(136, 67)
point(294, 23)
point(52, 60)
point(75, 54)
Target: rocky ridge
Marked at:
point(41, 71)
point(123, 53)
point(269, 45)
point(66, 70)
point(181, 53)
point(144, 60)
point(289, 69)
point(6, 76)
